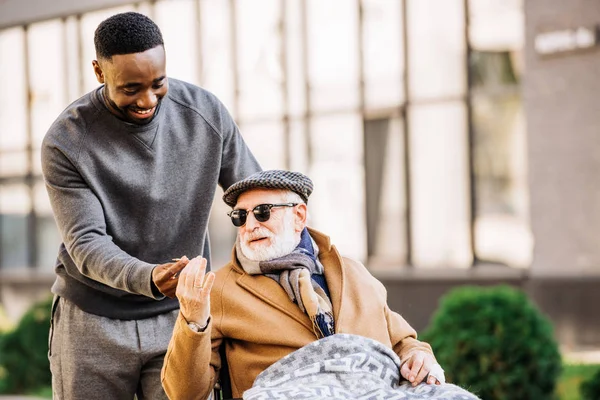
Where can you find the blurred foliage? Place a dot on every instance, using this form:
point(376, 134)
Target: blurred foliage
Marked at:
point(494, 342)
point(24, 365)
point(590, 388)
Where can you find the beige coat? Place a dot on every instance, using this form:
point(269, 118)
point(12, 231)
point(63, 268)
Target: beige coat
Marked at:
point(260, 325)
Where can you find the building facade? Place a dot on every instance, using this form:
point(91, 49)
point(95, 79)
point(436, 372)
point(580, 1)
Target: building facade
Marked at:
point(433, 130)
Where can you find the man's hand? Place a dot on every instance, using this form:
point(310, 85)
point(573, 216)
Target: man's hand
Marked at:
point(417, 366)
point(165, 276)
point(193, 291)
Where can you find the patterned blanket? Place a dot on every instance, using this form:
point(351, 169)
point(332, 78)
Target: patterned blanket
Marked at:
point(344, 366)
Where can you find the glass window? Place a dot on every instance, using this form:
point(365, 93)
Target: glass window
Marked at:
point(13, 97)
point(217, 63)
point(440, 187)
point(298, 146)
point(337, 205)
point(267, 142)
point(333, 54)
point(383, 53)
point(13, 163)
point(259, 58)
point(385, 193)
point(502, 231)
point(15, 206)
point(296, 90)
point(178, 23)
point(437, 49)
point(496, 24)
point(48, 242)
point(46, 59)
point(222, 232)
point(47, 232)
point(73, 69)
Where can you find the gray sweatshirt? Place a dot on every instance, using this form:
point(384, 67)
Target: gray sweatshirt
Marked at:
point(128, 197)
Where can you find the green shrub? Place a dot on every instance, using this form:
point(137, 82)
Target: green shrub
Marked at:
point(495, 343)
point(590, 389)
point(24, 364)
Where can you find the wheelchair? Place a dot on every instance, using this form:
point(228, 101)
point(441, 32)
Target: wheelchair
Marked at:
point(222, 389)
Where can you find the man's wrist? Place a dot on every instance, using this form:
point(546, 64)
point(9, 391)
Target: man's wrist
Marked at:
point(197, 327)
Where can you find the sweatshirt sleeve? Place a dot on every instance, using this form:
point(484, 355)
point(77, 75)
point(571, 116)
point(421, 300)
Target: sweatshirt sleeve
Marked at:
point(80, 220)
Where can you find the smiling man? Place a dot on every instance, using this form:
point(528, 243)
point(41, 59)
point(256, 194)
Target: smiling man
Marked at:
point(285, 288)
point(131, 170)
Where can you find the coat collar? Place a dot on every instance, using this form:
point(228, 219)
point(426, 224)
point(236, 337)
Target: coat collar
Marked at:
point(270, 291)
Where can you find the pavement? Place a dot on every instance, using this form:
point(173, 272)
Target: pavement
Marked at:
point(582, 357)
point(20, 397)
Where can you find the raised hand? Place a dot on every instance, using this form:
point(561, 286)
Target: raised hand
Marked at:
point(193, 291)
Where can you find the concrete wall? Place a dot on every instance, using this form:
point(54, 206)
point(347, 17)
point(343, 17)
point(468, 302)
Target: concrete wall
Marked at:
point(569, 302)
point(19, 289)
point(562, 102)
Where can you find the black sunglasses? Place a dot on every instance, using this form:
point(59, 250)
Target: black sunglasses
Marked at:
point(262, 213)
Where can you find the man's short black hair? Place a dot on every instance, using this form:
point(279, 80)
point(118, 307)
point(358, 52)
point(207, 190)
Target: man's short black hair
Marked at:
point(126, 33)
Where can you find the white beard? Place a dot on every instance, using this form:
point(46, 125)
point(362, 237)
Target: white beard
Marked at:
point(280, 246)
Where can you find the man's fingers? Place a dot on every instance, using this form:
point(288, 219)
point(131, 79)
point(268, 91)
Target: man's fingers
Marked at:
point(199, 271)
point(208, 283)
point(417, 363)
point(176, 268)
point(405, 370)
point(421, 375)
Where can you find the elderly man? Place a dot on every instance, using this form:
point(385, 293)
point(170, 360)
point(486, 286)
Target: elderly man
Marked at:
point(285, 287)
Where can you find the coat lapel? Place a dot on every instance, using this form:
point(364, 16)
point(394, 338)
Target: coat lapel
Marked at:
point(272, 293)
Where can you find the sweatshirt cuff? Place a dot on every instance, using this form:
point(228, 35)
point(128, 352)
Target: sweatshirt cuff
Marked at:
point(140, 280)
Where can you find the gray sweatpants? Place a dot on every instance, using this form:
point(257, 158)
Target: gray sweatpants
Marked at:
point(93, 357)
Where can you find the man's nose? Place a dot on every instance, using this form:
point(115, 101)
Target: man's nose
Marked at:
point(147, 100)
point(251, 221)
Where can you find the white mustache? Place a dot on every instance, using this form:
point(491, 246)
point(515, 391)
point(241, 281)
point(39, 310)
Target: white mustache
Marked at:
point(257, 234)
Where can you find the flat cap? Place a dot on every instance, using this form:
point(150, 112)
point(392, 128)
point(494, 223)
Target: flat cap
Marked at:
point(271, 179)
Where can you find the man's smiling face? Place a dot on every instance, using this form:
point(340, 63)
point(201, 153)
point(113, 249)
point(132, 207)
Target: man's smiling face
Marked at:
point(134, 83)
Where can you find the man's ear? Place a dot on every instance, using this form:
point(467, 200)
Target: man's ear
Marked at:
point(300, 216)
point(98, 71)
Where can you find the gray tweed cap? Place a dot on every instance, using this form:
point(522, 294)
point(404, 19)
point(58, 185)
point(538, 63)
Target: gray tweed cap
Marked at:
point(271, 179)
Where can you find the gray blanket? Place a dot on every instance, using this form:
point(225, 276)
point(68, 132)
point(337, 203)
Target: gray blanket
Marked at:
point(344, 366)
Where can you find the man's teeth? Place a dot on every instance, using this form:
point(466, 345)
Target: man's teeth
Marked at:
point(143, 111)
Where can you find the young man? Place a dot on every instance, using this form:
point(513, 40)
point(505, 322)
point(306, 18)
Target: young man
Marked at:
point(131, 170)
point(285, 287)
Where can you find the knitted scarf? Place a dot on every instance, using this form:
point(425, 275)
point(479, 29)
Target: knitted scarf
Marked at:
point(294, 273)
